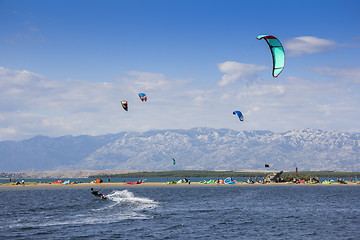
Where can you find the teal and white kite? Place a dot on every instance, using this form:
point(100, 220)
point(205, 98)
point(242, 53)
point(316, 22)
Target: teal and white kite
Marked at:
point(277, 52)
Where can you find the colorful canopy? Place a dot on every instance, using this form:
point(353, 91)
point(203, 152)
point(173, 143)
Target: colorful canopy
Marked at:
point(277, 52)
point(239, 114)
point(143, 97)
point(124, 104)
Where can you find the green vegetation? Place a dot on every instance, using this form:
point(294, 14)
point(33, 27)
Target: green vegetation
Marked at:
point(185, 173)
point(222, 174)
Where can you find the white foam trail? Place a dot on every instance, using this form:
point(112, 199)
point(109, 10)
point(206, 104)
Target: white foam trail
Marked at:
point(124, 206)
point(128, 198)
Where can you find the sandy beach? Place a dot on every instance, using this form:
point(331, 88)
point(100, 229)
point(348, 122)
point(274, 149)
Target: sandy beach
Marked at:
point(32, 185)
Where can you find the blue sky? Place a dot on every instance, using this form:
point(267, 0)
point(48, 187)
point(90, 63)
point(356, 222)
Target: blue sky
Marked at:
point(66, 65)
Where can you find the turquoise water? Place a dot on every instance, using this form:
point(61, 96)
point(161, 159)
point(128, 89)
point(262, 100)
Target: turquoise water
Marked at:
point(181, 212)
point(119, 180)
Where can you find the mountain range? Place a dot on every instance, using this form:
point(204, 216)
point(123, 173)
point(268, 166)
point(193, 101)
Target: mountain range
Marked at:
point(193, 149)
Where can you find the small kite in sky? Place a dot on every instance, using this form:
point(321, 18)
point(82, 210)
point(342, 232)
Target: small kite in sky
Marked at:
point(124, 104)
point(143, 97)
point(239, 114)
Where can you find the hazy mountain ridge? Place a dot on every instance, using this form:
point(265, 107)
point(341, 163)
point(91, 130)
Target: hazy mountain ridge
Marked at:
point(197, 148)
point(42, 153)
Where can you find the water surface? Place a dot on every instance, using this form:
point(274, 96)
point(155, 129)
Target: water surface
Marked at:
point(181, 212)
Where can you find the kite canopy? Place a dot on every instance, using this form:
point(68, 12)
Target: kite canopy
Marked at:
point(124, 104)
point(277, 52)
point(143, 97)
point(174, 161)
point(239, 114)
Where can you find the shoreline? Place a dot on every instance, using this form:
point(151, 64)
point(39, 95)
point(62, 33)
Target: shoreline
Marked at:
point(160, 184)
point(159, 174)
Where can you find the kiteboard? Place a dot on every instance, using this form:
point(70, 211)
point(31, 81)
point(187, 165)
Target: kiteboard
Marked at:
point(103, 197)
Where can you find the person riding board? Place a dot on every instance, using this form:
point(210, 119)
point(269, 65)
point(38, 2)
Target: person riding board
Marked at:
point(96, 193)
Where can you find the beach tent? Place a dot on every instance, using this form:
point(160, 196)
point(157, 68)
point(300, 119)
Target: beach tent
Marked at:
point(184, 180)
point(97, 181)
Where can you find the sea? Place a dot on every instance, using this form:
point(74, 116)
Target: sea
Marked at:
point(181, 212)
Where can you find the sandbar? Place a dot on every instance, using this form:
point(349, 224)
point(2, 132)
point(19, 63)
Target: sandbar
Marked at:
point(34, 185)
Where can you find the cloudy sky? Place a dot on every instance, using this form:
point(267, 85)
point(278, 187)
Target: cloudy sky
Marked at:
point(66, 65)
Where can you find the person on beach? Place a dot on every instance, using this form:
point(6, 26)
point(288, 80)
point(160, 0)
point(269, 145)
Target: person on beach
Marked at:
point(96, 193)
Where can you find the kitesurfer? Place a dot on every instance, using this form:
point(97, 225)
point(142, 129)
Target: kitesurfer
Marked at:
point(96, 193)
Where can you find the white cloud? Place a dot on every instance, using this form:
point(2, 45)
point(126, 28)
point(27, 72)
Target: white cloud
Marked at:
point(308, 45)
point(149, 81)
point(346, 75)
point(17, 77)
point(235, 71)
point(32, 104)
point(263, 90)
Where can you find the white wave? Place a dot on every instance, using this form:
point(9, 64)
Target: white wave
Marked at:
point(126, 198)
